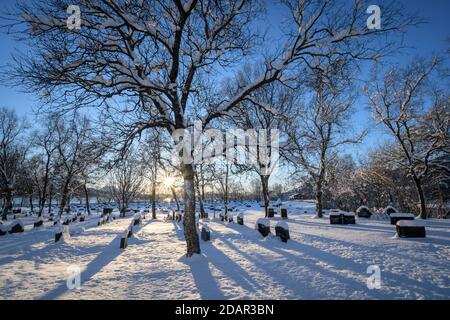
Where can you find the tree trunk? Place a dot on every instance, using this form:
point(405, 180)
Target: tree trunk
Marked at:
point(154, 199)
point(7, 204)
point(423, 208)
point(31, 203)
point(50, 198)
point(86, 195)
point(174, 194)
point(190, 230)
point(265, 193)
point(319, 205)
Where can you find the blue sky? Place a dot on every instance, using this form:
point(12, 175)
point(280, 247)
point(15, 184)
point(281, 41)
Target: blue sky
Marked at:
point(425, 40)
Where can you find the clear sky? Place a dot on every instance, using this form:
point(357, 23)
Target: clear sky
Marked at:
point(426, 40)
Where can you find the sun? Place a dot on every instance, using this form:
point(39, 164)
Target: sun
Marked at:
point(168, 182)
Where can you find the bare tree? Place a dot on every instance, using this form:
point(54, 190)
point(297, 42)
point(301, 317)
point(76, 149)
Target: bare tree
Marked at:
point(126, 180)
point(397, 102)
point(12, 155)
point(321, 126)
point(156, 54)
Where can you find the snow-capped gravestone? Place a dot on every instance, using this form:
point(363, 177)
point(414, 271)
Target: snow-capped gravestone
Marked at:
point(282, 231)
point(16, 227)
point(283, 213)
point(137, 219)
point(411, 228)
point(262, 225)
point(38, 223)
point(395, 217)
point(363, 212)
point(206, 233)
point(389, 210)
point(336, 216)
point(348, 218)
point(240, 218)
point(62, 233)
point(82, 218)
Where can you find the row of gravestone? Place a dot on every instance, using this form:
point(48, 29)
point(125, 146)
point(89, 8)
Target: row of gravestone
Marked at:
point(136, 221)
point(406, 224)
point(262, 225)
point(271, 213)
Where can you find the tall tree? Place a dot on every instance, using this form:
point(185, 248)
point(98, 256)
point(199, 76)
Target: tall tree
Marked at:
point(157, 55)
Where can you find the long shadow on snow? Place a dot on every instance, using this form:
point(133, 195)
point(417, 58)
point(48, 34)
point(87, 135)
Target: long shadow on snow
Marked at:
point(338, 262)
point(288, 280)
point(204, 281)
point(108, 254)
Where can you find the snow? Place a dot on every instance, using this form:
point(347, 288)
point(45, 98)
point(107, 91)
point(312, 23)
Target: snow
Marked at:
point(320, 261)
point(411, 223)
point(282, 224)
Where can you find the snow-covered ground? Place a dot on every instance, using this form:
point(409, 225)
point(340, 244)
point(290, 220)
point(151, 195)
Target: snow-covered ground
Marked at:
point(320, 261)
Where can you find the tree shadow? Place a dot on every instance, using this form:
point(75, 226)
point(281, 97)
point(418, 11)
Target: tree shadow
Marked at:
point(108, 254)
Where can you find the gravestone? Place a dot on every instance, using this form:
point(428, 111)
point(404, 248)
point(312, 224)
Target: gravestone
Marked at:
point(363, 212)
point(16, 227)
point(411, 228)
point(271, 213)
point(282, 231)
point(38, 223)
point(283, 213)
point(240, 219)
point(206, 233)
point(263, 226)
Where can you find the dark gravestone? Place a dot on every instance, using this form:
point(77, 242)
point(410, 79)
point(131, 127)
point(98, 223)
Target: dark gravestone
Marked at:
point(349, 219)
point(336, 218)
point(124, 242)
point(229, 218)
point(82, 218)
point(271, 213)
point(17, 211)
point(411, 231)
point(222, 217)
point(38, 224)
point(240, 220)
point(363, 213)
point(66, 222)
point(16, 228)
point(205, 234)
point(263, 229)
point(107, 211)
point(390, 210)
point(74, 219)
point(248, 206)
point(282, 233)
point(58, 236)
point(283, 213)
